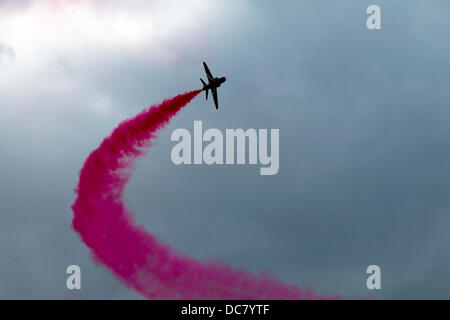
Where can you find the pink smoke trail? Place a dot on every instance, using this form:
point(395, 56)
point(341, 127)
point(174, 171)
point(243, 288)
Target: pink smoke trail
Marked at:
point(136, 257)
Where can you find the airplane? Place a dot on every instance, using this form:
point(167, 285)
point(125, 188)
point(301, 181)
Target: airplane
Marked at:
point(213, 84)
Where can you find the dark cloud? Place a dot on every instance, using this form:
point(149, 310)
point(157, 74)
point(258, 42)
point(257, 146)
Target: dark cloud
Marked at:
point(364, 149)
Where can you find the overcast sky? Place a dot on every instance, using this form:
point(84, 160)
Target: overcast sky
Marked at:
point(364, 138)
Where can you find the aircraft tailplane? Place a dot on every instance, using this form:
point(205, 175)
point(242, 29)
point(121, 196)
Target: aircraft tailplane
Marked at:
point(204, 85)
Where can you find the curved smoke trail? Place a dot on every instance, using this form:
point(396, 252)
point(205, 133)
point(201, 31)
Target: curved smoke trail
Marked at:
point(135, 256)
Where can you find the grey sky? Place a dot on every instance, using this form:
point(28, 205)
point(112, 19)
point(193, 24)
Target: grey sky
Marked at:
point(364, 142)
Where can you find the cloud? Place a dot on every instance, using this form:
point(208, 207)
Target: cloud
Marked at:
point(7, 50)
point(363, 138)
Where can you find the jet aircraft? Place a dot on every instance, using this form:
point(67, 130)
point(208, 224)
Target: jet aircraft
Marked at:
point(213, 84)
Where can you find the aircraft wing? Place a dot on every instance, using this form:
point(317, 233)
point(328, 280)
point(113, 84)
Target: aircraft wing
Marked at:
point(214, 93)
point(208, 73)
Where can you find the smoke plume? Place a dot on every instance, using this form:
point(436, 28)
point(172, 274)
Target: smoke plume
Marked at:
point(136, 257)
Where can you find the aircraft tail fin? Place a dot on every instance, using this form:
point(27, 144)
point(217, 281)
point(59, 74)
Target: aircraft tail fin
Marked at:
point(204, 85)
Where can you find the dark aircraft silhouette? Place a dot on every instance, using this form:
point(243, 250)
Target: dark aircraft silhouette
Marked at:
point(213, 84)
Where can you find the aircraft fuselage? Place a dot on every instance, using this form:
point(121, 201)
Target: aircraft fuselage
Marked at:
point(214, 83)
